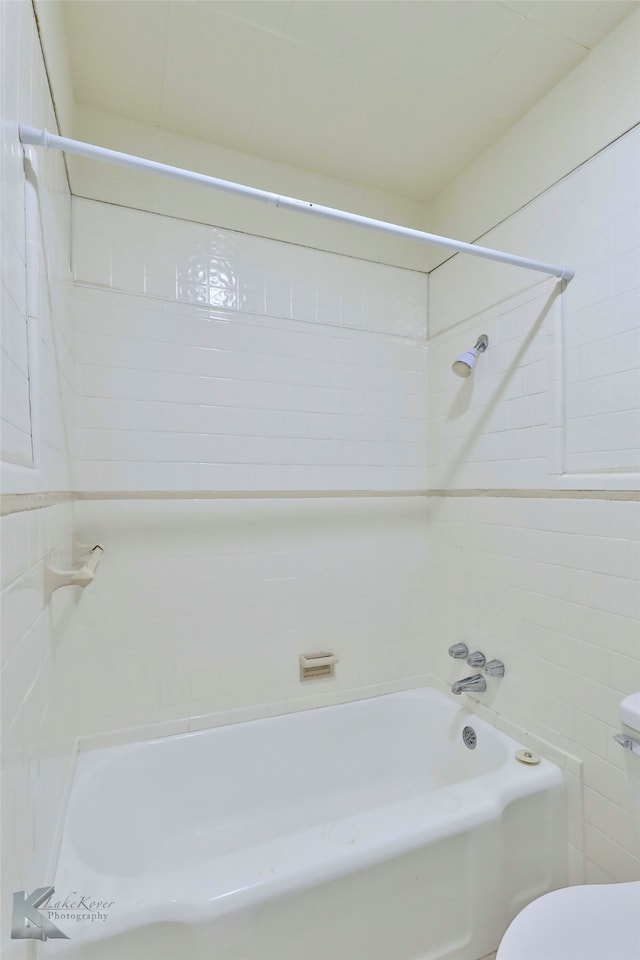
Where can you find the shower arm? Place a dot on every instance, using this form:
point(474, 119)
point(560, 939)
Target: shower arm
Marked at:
point(42, 138)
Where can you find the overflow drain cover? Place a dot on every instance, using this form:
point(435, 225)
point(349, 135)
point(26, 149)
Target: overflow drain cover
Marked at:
point(469, 738)
point(526, 756)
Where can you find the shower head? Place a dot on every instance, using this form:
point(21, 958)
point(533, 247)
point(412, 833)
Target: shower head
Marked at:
point(463, 366)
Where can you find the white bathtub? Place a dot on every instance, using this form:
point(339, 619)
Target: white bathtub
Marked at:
point(365, 830)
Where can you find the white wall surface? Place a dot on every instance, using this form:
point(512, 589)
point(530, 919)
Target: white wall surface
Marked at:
point(56, 54)
point(551, 587)
point(205, 606)
point(210, 361)
point(229, 362)
point(587, 110)
point(548, 581)
point(37, 396)
point(171, 198)
point(37, 338)
point(554, 402)
point(37, 762)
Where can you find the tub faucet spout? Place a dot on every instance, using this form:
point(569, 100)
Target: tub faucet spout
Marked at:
point(474, 684)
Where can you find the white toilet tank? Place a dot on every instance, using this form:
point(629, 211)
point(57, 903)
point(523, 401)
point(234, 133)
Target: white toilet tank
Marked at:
point(630, 720)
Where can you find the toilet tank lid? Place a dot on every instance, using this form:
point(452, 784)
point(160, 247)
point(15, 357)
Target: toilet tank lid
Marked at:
point(630, 711)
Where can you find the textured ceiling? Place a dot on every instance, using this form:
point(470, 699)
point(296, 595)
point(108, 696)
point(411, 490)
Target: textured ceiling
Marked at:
point(395, 95)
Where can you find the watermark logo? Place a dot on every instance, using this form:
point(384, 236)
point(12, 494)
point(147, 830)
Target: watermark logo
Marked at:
point(27, 922)
point(32, 916)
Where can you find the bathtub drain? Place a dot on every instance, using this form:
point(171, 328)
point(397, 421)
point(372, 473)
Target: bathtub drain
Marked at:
point(469, 738)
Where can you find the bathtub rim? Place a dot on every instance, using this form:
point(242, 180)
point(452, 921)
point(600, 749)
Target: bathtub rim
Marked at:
point(548, 775)
point(569, 763)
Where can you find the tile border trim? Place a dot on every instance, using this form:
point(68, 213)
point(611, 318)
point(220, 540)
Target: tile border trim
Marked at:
point(541, 494)
point(20, 502)
point(522, 493)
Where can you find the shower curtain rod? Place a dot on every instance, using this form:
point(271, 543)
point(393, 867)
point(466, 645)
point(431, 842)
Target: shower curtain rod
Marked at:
point(42, 138)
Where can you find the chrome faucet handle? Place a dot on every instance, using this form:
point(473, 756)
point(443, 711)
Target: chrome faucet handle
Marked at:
point(494, 668)
point(476, 659)
point(458, 651)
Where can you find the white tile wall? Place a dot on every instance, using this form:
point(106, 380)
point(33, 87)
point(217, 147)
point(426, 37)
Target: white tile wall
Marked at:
point(555, 400)
point(220, 383)
point(37, 399)
point(37, 338)
point(16, 443)
point(494, 428)
point(146, 254)
point(35, 761)
point(203, 606)
point(551, 587)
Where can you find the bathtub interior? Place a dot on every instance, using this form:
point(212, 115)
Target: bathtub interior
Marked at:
point(189, 798)
point(367, 830)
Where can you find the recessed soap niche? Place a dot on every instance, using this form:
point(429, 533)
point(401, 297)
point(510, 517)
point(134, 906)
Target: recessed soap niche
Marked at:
point(315, 666)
